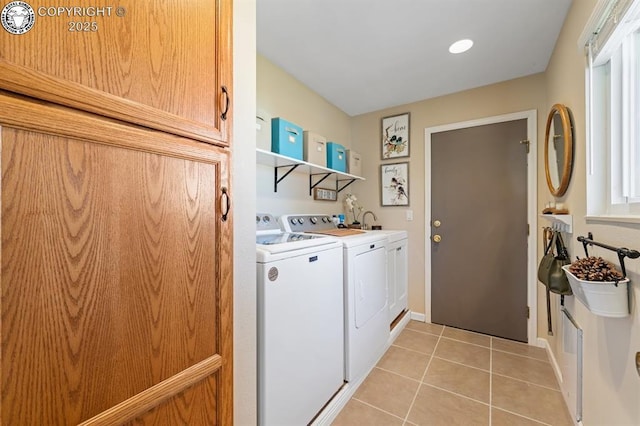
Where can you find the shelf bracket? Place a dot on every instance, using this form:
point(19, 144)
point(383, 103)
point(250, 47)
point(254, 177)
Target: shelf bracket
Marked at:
point(276, 179)
point(313, 185)
point(340, 188)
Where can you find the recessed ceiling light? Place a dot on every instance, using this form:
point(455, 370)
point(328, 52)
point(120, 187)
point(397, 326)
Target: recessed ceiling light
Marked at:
point(461, 46)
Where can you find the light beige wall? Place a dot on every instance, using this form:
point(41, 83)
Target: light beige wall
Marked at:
point(507, 97)
point(244, 206)
point(280, 95)
point(611, 384)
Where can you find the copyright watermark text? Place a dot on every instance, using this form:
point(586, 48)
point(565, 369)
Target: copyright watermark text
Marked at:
point(18, 17)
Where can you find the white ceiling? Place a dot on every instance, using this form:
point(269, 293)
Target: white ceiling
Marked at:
point(367, 55)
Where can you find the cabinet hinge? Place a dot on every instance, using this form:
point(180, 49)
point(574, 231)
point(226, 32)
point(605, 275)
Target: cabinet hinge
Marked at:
point(528, 229)
point(528, 313)
point(526, 143)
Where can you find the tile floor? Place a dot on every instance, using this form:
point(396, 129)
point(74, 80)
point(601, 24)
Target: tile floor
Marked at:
point(435, 375)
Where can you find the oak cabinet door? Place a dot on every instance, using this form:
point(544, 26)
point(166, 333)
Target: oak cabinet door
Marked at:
point(165, 64)
point(116, 278)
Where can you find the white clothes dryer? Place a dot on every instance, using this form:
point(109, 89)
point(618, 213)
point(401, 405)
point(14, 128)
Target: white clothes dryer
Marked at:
point(366, 308)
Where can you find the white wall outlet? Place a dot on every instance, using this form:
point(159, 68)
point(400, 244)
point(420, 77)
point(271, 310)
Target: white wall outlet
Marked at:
point(409, 214)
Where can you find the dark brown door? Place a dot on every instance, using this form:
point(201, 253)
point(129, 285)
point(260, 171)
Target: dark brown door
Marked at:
point(479, 198)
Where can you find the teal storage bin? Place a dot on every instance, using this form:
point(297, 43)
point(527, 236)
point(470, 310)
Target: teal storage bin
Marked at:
point(286, 138)
point(336, 157)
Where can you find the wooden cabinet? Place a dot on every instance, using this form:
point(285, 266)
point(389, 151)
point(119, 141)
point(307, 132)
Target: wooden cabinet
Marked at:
point(163, 65)
point(116, 249)
point(397, 276)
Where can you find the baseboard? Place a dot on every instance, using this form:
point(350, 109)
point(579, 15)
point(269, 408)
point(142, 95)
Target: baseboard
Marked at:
point(543, 343)
point(418, 317)
point(556, 369)
point(337, 403)
point(395, 331)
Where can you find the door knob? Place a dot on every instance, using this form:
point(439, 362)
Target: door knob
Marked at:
point(436, 238)
point(437, 223)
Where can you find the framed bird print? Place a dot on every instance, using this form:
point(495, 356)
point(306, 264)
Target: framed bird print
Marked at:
point(395, 136)
point(394, 184)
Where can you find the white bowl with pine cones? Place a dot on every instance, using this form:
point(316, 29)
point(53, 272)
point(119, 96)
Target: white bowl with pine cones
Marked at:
point(599, 286)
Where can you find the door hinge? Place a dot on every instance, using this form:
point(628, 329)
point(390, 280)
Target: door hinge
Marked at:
point(528, 313)
point(528, 229)
point(527, 143)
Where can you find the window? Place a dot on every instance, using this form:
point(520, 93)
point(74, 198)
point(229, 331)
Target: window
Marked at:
point(612, 45)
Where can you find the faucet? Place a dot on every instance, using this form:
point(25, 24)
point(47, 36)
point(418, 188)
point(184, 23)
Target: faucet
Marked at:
point(364, 223)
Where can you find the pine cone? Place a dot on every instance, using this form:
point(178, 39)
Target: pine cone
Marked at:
point(595, 269)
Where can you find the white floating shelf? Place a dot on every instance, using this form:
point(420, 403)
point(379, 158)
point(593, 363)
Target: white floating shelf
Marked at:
point(560, 222)
point(277, 161)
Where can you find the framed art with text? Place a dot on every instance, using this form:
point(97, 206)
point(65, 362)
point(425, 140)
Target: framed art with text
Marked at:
point(394, 184)
point(395, 136)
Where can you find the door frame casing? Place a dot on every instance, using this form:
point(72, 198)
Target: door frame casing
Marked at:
point(532, 173)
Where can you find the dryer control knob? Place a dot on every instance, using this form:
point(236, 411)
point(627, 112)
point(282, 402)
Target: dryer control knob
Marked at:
point(314, 220)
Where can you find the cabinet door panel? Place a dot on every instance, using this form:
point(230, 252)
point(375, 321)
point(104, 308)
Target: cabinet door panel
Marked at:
point(145, 61)
point(402, 277)
point(184, 409)
point(111, 279)
point(397, 277)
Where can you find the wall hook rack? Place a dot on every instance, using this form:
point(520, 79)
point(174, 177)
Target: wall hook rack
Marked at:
point(621, 251)
point(560, 222)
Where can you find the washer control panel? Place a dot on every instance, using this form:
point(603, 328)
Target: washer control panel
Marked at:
point(306, 222)
point(266, 222)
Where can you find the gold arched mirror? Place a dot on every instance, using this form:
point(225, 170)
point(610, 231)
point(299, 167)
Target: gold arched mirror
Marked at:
point(558, 149)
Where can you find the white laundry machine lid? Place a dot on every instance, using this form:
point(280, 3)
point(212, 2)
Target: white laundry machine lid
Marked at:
point(272, 243)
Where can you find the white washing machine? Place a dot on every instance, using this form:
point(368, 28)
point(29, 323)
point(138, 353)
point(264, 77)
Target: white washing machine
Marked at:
point(365, 290)
point(300, 323)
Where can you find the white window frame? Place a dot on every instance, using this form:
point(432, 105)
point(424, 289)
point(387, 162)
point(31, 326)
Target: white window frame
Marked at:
point(613, 103)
